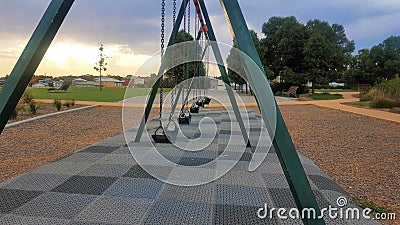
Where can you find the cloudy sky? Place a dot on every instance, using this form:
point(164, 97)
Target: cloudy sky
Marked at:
point(130, 28)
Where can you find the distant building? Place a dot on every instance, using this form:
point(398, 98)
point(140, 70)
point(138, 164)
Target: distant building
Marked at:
point(88, 77)
point(109, 82)
point(128, 83)
point(34, 80)
point(220, 85)
point(38, 85)
point(82, 83)
point(138, 82)
point(335, 84)
point(47, 82)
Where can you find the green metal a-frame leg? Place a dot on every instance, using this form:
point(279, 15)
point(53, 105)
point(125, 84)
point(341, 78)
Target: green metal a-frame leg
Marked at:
point(288, 157)
point(31, 57)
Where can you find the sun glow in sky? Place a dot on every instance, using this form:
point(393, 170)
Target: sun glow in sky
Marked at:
point(75, 58)
point(130, 30)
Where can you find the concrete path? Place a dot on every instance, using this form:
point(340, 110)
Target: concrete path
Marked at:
point(347, 97)
point(282, 101)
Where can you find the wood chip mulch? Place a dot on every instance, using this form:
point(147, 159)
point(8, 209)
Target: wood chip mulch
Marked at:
point(32, 144)
point(360, 153)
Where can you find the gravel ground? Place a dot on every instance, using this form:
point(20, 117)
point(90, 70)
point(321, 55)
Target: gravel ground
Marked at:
point(362, 154)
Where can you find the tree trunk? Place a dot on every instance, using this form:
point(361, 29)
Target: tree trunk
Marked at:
point(313, 87)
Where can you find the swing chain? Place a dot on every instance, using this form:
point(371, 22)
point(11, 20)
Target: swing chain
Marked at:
point(174, 13)
point(185, 66)
point(162, 53)
point(162, 27)
point(189, 12)
point(174, 21)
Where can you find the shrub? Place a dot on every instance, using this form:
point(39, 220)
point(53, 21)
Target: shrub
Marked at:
point(385, 95)
point(278, 87)
point(390, 89)
point(326, 96)
point(366, 97)
point(384, 103)
point(14, 114)
point(363, 203)
point(57, 103)
point(27, 97)
point(32, 107)
point(70, 103)
point(67, 104)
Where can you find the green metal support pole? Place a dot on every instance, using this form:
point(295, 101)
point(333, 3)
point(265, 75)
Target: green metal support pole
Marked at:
point(161, 71)
point(31, 57)
point(223, 72)
point(288, 157)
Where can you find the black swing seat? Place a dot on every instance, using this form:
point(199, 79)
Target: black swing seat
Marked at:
point(194, 109)
point(166, 136)
point(206, 101)
point(200, 103)
point(185, 117)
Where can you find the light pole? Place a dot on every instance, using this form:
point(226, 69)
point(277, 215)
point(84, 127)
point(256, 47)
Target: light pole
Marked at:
point(101, 65)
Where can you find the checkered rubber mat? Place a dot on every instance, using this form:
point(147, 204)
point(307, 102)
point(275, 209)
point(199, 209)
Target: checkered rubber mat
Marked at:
point(103, 184)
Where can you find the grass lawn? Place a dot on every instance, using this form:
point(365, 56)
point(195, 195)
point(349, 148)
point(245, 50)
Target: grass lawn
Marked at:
point(88, 94)
point(334, 90)
point(326, 96)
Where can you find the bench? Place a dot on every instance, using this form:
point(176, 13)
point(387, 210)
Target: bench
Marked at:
point(364, 87)
point(292, 91)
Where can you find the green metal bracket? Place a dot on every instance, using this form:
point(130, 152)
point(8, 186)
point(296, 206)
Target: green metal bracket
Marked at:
point(31, 57)
point(288, 157)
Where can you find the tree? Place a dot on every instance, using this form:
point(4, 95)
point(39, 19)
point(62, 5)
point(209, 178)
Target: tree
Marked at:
point(236, 70)
point(280, 43)
point(338, 50)
point(176, 75)
point(101, 65)
point(357, 73)
point(318, 60)
point(291, 53)
point(371, 66)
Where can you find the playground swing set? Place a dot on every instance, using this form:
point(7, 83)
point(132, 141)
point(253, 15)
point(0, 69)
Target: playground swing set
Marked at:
point(282, 142)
